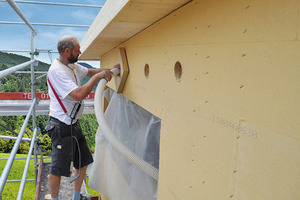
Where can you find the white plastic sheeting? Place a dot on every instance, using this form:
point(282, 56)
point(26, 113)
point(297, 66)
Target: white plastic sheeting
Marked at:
point(139, 130)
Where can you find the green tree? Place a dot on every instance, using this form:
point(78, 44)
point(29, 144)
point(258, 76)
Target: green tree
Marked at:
point(89, 127)
point(6, 145)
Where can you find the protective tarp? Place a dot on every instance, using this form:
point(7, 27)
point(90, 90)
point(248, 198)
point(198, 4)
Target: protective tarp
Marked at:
point(139, 130)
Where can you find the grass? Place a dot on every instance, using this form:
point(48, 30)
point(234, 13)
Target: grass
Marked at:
point(11, 189)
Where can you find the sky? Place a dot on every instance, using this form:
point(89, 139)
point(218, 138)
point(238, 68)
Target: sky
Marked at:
point(17, 37)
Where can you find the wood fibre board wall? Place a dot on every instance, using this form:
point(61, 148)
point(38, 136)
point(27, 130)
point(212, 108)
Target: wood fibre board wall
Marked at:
point(230, 125)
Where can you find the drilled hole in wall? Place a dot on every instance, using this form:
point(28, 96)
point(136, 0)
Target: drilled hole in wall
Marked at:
point(146, 70)
point(178, 70)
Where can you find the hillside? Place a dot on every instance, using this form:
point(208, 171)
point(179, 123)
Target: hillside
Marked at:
point(10, 60)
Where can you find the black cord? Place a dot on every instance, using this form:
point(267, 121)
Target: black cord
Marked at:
point(71, 181)
point(72, 158)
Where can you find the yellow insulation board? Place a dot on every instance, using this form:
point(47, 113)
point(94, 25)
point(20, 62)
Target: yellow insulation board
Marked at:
point(230, 125)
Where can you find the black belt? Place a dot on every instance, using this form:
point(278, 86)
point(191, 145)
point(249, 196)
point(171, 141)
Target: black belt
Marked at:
point(57, 120)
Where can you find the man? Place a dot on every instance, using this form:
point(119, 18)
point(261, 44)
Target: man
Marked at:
point(68, 142)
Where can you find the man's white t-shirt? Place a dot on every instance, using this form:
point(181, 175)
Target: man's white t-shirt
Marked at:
point(64, 80)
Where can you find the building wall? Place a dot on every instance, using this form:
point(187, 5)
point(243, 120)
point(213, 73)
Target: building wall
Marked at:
point(230, 124)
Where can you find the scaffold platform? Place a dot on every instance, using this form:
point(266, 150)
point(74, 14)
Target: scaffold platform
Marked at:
point(66, 188)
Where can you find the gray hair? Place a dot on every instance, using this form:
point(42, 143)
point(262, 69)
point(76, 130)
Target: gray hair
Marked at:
point(64, 42)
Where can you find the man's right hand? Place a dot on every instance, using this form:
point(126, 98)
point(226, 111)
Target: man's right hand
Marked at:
point(105, 74)
point(117, 66)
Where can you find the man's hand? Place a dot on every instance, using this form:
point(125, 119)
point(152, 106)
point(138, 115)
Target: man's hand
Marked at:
point(105, 74)
point(117, 66)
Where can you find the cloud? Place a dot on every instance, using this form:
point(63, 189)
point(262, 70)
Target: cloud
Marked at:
point(84, 16)
point(54, 36)
point(28, 10)
point(48, 39)
point(13, 40)
point(96, 2)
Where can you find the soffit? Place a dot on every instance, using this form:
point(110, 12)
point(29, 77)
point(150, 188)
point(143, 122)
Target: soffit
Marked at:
point(119, 20)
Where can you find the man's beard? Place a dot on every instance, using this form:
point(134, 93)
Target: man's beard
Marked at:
point(72, 59)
